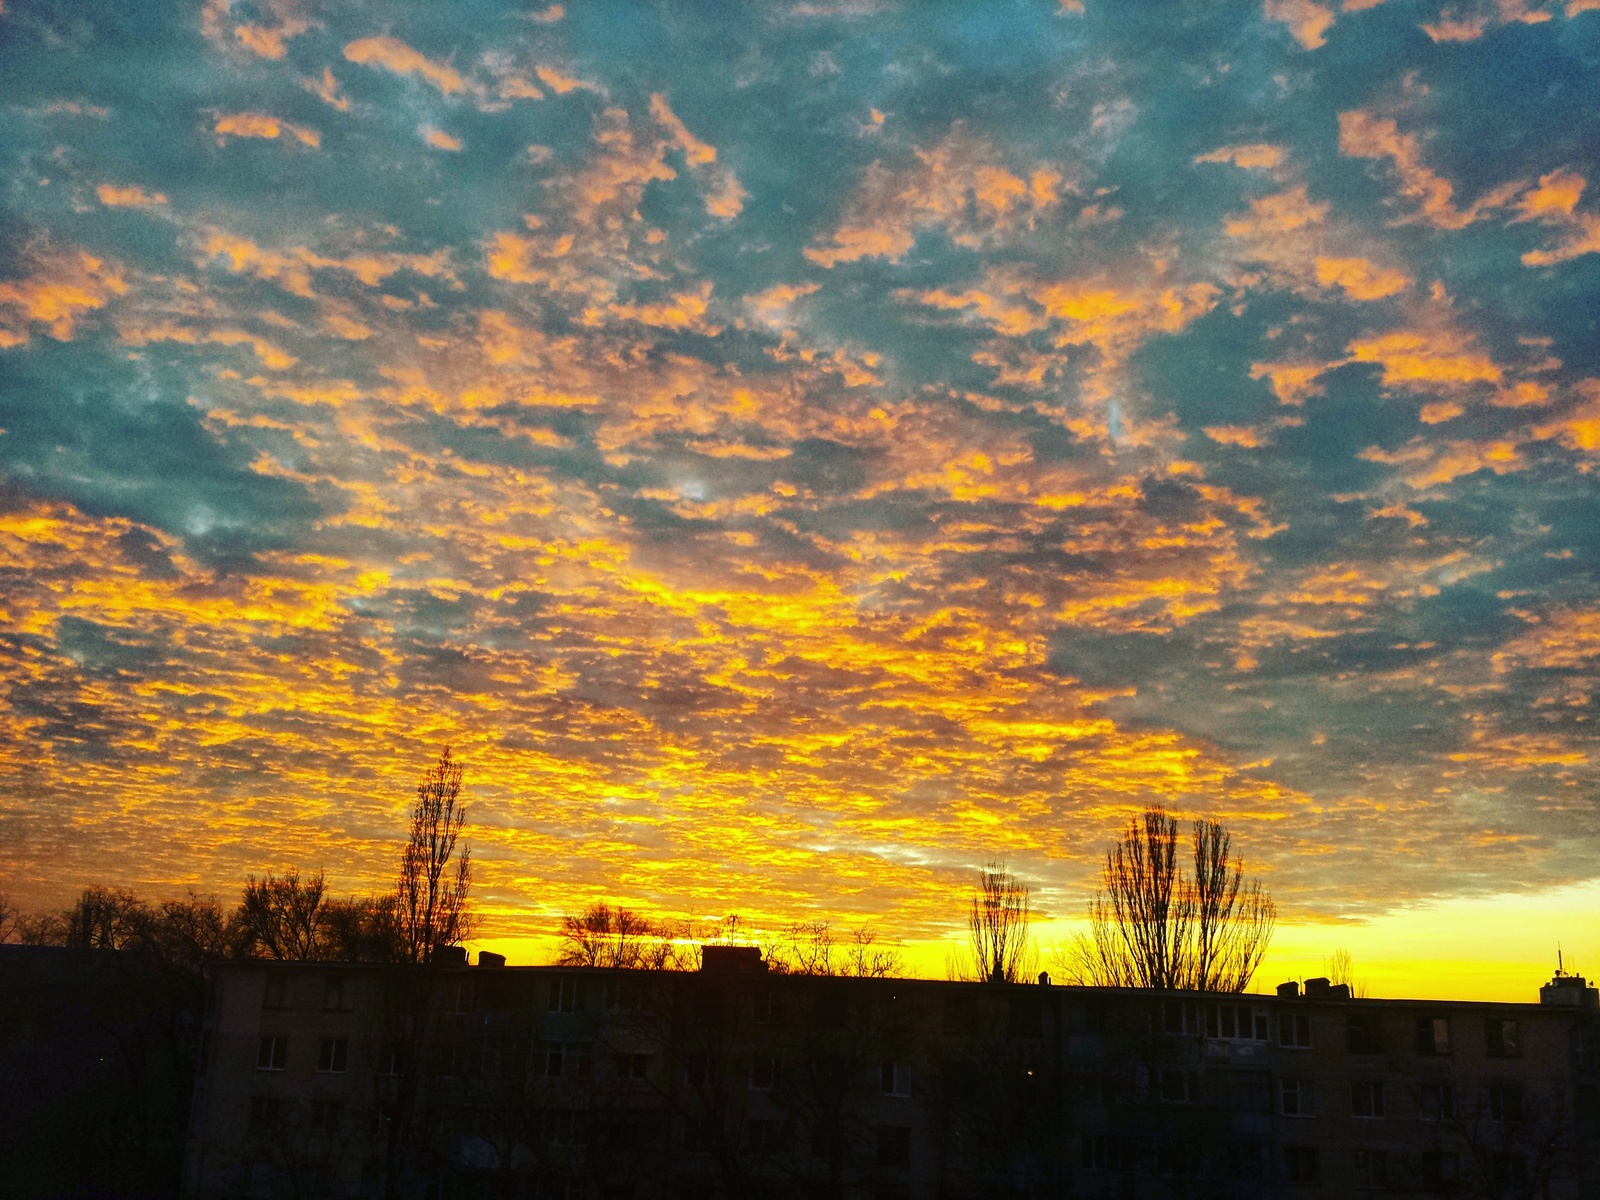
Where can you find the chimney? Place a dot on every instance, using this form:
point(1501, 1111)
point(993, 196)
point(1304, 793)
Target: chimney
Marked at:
point(731, 960)
point(449, 956)
point(1319, 989)
point(488, 958)
point(1289, 991)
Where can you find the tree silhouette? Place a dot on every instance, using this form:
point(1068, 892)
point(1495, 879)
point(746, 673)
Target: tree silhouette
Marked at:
point(1154, 926)
point(431, 896)
point(998, 922)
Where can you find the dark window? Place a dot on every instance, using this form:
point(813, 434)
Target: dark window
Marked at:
point(265, 1111)
point(1105, 1152)
point(1505, 1102)
point(336, 994)
point(1177, 1016)
point(633, 1066)
point(763, 1073)
point(1244, 1160)
point(1232, 1021)
point(564, 994)
point(563, 1127)
point(893, 1080)
point(1436, 1101)
point(1180, 1087)
point(833, 1008)
point(1297, 1098)
point(1240, 1091)
point(1504, 1037)
point(273, 1054)
point(698, 1136)
point(1441, 1170)
point(1302, 1164)
point(326, 1114)
point(1433, 1035)
point(697, 1070)
point(1510, 1173)
point(1586, 1101)
point(1088, 1087)
point(894, 1146)
point(765, 1137)
point(1366, 1099)
point(761, 1007)
point(1372, 1168)
point(1024, 1017)
point(1294, 1029)
point(392, 1059)
point(1363, 1033)
point(332, 1053)
point(277, 994)
point(552, 1060)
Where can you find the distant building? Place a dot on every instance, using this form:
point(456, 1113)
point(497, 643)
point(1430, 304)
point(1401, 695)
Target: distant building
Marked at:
point(497, 1082)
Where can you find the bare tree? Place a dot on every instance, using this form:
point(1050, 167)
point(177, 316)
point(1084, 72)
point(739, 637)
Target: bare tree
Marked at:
point(106, 919)
point(602, 936)
point(1340, 968)
point(1153, 926)
point(10, 920)
point(280, 918)
point(190, 931)
point(812, 948)
point(431, 896)
point(998, 937)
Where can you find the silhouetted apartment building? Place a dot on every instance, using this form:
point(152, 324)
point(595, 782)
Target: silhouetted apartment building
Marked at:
point(495, 1081)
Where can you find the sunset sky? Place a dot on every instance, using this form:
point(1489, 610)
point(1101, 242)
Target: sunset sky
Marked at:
point(795, 452)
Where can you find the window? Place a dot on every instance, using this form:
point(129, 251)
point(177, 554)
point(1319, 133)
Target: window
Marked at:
point(265, 1111)
point(1433, 1035)
point(1366, 1099)
point(893, 1080)
point(1180, 1087)
point(562, 1127)
point(1105, 1152)
point(1179, 1017)
point(1436, 1102)
point(336, 994)
point(332, 1053)
point(1234, 1021)
point(273, 1054)
point(1301, 1164)
point(1294, 1030)
point(392, 1059)
point(1505, 1102)
point(610, 995)
point(1510, 1173)
point(765, 1137)
point(1441, 1170)
point(564, 994)
point(552, 1060)
point(697, 1070)
point(894, 1146)
point(763, 1073)
point(1504, 1037)
point(761, 1007)
point(1372, 1168)
point(1088, 1087)
point(1239, 1091)
point(277, 994)
point(633, 1066)
point(1363, 1034)
point(326, 1114)
point(1297, 1099)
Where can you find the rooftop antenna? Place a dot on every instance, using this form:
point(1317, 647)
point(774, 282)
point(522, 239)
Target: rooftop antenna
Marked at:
point(1560, 971)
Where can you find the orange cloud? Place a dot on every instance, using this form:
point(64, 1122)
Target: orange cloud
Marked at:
point(391, 54)
point(268, 40)
point(561, 84)
point(326, 89)
point(1291, 383)
point(1234, 435)
point(1566, 639)
point(61, 290)
point(1362, 135)
point(1359, 279)
point(1279, 212)
point(955, 186)
point(1255, 156)
point(1308, 21)
point(438, 138)
point(1420, 358)
point(1578, 429)
point(260, 125)
point(292, 268)
point(1428, 464)
point(725, 198)
point(271, 356)
point(1467, 22)
point(1554, 202)
point(113, 196)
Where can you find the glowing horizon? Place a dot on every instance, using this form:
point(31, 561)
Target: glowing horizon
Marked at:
point(796, 456)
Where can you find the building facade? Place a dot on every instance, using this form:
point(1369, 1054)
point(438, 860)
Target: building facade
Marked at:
point(489, 1082)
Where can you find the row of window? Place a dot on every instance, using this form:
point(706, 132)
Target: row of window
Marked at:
point(333, 1054)
point(1303, 1165)
point(1502, 1036)
point(338, 993)
point(1435, 1101)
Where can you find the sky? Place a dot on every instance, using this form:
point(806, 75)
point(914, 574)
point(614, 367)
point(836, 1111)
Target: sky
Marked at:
point(798, 452)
